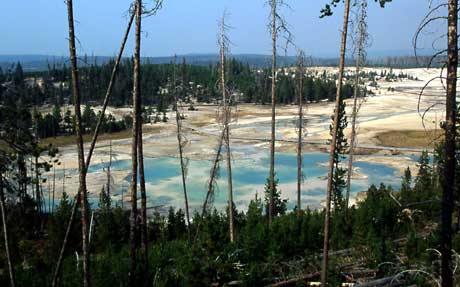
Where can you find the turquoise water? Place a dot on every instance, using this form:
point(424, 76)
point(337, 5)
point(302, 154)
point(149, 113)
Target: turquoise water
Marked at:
point(250, 170)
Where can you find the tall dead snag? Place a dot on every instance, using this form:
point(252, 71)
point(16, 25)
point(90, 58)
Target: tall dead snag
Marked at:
point(277, 26)
point(333, 146)
point(134, 146)
point(223, 43)
point(57, 269)
point(274, 32)
point(5, 233)
point(79, 139)
point(140, 156)
point(182, 141)
point(109, 167)
point(300, 77)
point(449, 154)
point(359, 59)
point(213, 175)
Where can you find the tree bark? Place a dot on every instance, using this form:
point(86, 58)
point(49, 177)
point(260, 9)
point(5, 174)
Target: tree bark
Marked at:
point(181, 153)
point(54, 185)
point(213, 173)
point(227, 111)
point(449, 154)
point(37, 187)
point(90, 152)
point(80, 148)
point(273, 120)
point(333, 147)
point(300, 74)
point(134, 148)
point(140, 156)
point(361, 38)
point(109, 179)
point(5, 234)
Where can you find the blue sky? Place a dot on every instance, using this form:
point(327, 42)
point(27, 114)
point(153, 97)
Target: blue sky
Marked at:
point(190, 26)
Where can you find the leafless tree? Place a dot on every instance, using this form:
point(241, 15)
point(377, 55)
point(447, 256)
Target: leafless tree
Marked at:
point(277, 27)
point(332, 151)
point(138, 155)
point(182, 142)
point(80, 147)
point(300, 93)
point(213, 175)
point(109, 166)
point(450, 64)
point(223, 43)
point(54, 185)
point(360, 53)
point(212, 183)
point(90, 152)
point(450, 149)
point(134, 146)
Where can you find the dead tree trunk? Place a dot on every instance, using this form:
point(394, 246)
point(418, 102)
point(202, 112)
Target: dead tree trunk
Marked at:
point(79, 136)
point(134, 147)
point(140, 156)
point(300, 76)
point(212, 182)
point(143, 225)
point(90, 152)
point(358, 58)
point(109, 166)
point(226, 115)
point(5, 234)
point(54, 185)
point(213, 174)
point(333, 147)
point(273, 4)
point(181, 144)
point(449, 154)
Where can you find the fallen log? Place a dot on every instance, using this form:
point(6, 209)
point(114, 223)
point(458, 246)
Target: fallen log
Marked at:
point(382, 282)
point(294, 280)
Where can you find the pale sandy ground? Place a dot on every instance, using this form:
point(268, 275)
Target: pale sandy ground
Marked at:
point(386, 111)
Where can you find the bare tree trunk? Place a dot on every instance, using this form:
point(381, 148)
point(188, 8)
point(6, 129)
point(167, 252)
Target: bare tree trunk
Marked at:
point(22, 169)
point(143, 225)
point(300, 74)
point(181, 152)
point(79, 136)
point(213, 174)
point(231, 216)
point(57, 270)
point(54, 185)
point(134, 147)
point(359, 55)
point(273, 122)
point(109, 179)
point(327, 220)
point(5, 234)
point(449, 168)
point(63, 179)
point(227, 115)
point(211, 183)
point(37, 187)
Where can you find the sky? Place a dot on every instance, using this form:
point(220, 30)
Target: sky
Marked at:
point(190, 26)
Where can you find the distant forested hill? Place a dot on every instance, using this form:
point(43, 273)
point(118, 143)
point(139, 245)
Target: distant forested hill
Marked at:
point(31, 63)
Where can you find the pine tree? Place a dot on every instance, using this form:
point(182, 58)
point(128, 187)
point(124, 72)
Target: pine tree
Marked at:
point(406, 187)
point(423, 182)
point(279, 205)
point(341, 148)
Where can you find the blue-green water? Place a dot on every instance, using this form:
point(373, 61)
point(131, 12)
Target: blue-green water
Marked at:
point(250, 171)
